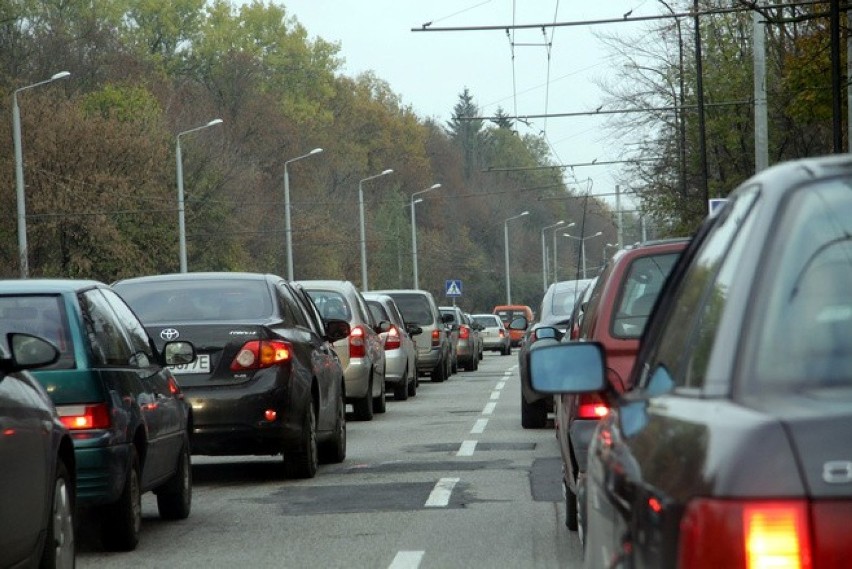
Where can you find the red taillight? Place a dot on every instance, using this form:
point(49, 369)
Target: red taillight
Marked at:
point(357, 343)
point(436, 338)
point(745, 534)
point(259, 354)
point(464, 332)
point(392, 340)
point(502, 333)
point(80, 417)
point(591, 406)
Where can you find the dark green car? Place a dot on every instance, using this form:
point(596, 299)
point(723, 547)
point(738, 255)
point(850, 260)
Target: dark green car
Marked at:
point(123, 407)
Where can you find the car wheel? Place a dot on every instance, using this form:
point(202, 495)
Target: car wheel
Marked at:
point(334, 451)
point(570, 507)
point(439, 374)
point(400, 390)
point(455, 368)
point(363, 408)
point(174, 498)
point(303, 461)
point(533, 415)
point(413, 385)
point(380, 402)
point(122, 521)
point(59, 544)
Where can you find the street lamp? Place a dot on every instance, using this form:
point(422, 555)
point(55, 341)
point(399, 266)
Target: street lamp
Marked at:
point(181, 223)
point(608, 246)
point(288, 232)
point(544, 253)
point(582, 241)
point(364, 285)
point(506, 247)
point(19, 172)
point(555, 256)
point(414, 229)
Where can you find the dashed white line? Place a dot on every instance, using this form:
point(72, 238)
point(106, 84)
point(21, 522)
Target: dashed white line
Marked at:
point(466, 448)
point(495, 395)
point(489, 408)
point(479, 427)
point(407, 560)
point(440, 496)
point(500, 386)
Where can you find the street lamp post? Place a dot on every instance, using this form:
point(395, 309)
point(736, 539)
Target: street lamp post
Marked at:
point(181, 222)
point(608, 246)
point(506, 247)
point(544, 253)
point(19, 173)
point(364, 284)
point(555, 256)
point(582, 241)
point(414, 230)
point(288, 232)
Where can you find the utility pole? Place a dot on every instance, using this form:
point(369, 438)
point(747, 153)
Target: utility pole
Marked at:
point(619, 217)
point(761, 123)
point(702, 128)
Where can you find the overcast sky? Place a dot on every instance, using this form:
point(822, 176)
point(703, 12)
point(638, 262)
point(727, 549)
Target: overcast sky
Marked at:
point(429, 69)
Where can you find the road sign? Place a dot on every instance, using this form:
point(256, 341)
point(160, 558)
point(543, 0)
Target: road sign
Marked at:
point(453, 288)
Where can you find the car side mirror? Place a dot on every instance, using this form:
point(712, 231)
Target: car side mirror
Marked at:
point(179, 353)
point(413, 329)
point(28, 352)
point(336, 329)
point(382, 326)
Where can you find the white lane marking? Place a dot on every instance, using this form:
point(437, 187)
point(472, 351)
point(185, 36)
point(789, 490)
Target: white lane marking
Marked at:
point(489, 408)
point(407, 560)
point(495, 395)
point(479, 427)
point(500, 386)
point(466, 448)
point(507, 373)
point(440, 496)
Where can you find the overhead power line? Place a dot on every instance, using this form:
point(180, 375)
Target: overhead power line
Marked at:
point(612, 112)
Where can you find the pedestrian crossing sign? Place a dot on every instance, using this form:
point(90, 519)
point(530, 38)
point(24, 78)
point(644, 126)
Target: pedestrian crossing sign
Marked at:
point(453, 288)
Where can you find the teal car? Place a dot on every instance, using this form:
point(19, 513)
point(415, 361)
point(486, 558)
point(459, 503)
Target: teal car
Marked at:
point(112, 390)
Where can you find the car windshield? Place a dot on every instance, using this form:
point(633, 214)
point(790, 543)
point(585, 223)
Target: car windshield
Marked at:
point(201, 300)
point(645, 278)
point(39, 315)
point(415, 309)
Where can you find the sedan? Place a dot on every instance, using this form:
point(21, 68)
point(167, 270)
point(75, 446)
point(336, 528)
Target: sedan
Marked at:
point(400, 349)
point(267, 380)
point(495, 337)
point(732, 447)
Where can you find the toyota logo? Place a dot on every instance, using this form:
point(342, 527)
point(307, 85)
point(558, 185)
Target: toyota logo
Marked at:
point(169, 334)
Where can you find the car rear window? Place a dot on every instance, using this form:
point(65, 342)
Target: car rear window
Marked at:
point(200, 300)
point(508, 315)
point(642, 283)
point(415, 309)
point(39, 315)
point(331, 304)
point(487, 321)
point(377, 310)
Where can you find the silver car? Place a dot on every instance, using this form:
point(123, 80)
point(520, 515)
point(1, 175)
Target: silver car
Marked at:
point(400, 349)
point(494, 336)
point(362, 354)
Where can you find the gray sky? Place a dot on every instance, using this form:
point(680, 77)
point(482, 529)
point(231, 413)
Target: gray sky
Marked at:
point(429, 69)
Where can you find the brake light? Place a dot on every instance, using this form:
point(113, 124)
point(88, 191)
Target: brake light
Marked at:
point(259, 354)
point(745, 534)
point(502, 333)
point(81, 417)
point(436, 338)
point(464, 332)
point(591, 406)
point(357, 343)
point(392, 340)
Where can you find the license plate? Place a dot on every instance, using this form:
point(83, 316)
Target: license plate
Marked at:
point(200, 365)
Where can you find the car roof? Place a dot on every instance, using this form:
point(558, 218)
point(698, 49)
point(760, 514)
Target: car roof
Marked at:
point(212, 275)
point(44, 286)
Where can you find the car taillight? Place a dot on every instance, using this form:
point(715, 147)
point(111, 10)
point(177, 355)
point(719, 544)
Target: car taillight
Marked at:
point(464, 332)
point(591, 406)
point(80, 417)
point(502, 333)
point(357, 342)
point(392, 340)
point(259, 354)
point(436, 338)
point(745, 534)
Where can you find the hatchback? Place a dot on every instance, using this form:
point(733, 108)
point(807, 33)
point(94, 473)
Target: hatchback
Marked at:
point(495, 337)
point(126, 413)
point(463, 336)
point(266, 381)
point(732, 448)
point(400, 349)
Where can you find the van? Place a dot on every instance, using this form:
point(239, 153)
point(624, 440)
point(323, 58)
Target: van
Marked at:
point(509, 312)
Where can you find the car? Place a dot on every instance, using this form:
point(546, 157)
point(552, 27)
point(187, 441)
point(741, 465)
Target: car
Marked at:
point(508, 313)
point(126, 412)
point(434, 353)
point(461, 331)
point(400, 349)
point(495, 337)
point(557, 304)
point(476, 330)
point(37, 479)
point(580, 309)
point(266, 381)
point(731, 449)
point(362, 352)
point(614, 316)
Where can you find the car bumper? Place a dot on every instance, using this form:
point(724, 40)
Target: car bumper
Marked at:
point(428, 359)
point(465, 352)
point(396, 362)
point(101, 468)
point(357, 378)
point(495, 345)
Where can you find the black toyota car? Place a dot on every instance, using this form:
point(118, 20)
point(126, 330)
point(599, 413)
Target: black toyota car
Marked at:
point(266, 380)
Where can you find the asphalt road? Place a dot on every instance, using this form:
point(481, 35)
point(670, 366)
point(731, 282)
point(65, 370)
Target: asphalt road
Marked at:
point(446, 479)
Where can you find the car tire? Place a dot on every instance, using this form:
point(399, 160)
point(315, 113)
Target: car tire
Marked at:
point(304, 461)
point(400, 390)
point(455, 367)
point(413, 385)
point(174, 498)
point(439, 374)
point(570, 507)
point(533, 415)
point(59, 545)
point(122, 520)
point(334, 450)
point(363, 407)
point(380, 403)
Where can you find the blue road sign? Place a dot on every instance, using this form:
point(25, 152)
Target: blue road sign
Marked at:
point(453, 288)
